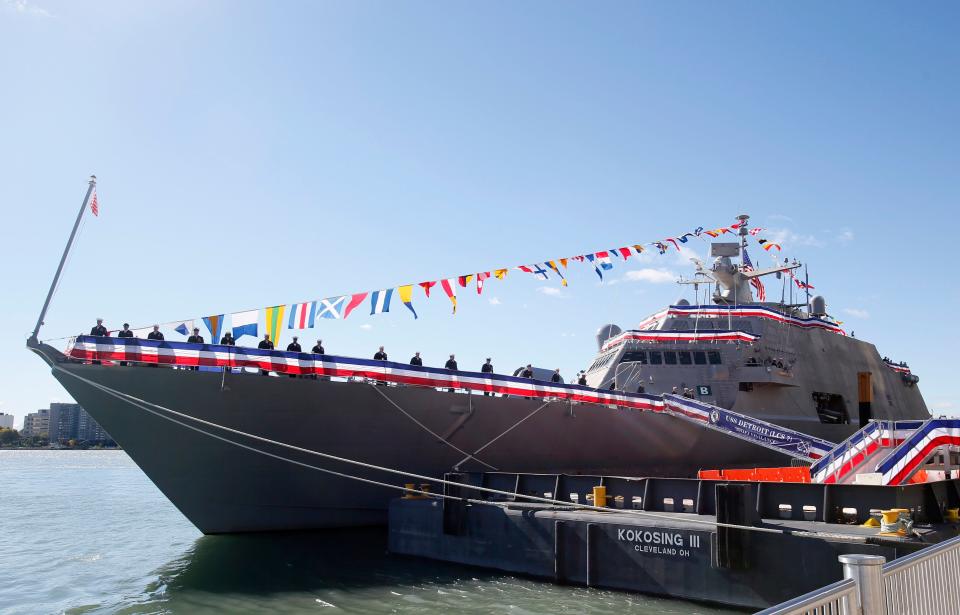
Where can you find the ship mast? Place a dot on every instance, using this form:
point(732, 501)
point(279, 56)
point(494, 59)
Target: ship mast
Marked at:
point(63, 260)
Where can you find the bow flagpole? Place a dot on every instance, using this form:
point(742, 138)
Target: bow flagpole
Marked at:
point(63, 260)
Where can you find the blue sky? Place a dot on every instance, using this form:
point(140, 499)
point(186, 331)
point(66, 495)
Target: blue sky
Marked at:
point(251, 154)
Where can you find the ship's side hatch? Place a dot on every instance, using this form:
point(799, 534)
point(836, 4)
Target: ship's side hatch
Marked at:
point(831, 408)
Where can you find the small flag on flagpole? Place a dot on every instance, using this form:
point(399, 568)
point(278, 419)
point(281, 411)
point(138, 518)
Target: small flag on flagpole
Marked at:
point(94, 205)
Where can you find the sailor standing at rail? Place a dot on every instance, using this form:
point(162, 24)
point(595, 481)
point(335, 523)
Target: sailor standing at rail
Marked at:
point(125, 332)
point(527, 373)
point(99, 330)
point(416, 360)
point(380, 356)
point(556, 376)
point(265, 344)
point(582, 380)
point(227, 339)
point(487, 368)
point(156, 336)
point(451, 364)
point(196, 338)
point(318, 349)
point(293, 346)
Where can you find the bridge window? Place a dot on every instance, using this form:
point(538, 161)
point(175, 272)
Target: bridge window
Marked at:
point(656, 357)
point(669, 357)
point(637, 356)
point(699, 357)
point(713, 356)
point(685, 358)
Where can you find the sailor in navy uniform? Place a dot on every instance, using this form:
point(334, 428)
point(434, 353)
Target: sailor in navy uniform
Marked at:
point(196, 338)
point(99, 330)
point(451, 364)
point(294, 346)
point(265, 344)
point(487, 368)
point(556, 376)
point(582, 381)
point(156, 336)
point(227, 339)
point(416, 360)
point(126, 332)
point(380, 356)
point(527, 372)
point(318, 349)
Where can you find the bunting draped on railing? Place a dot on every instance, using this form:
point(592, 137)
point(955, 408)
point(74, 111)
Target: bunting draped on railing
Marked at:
point(897, 367)
point(751, 311)
point(304, 315)
point(679, 336)
point(133, 350)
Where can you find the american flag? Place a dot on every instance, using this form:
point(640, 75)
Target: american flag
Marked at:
point(94, 207)
point(755, 282)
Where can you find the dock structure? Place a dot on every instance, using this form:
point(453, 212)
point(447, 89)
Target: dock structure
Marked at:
point(748, 545)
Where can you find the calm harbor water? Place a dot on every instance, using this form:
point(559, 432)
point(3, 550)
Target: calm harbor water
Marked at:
point(87, 532)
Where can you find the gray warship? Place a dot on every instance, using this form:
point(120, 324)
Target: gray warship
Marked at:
point(238, 452)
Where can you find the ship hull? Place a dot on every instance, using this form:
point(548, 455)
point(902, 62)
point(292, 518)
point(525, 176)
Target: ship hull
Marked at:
point(192, 433)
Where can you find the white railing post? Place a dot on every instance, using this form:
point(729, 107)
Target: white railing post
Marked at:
point(866, 571)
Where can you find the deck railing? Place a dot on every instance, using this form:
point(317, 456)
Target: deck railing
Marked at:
point(923, 583)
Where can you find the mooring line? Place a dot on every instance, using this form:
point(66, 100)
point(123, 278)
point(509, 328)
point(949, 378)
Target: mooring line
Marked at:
point(141, 403)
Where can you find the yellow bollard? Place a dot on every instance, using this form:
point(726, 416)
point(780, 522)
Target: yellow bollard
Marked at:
point(893, 522)
point(600, 496)
point(409, 495)
point(953, 515)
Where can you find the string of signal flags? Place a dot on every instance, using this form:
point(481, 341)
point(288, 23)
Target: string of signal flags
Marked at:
point(304, 315)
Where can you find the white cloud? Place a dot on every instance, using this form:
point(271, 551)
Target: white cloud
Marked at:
point(789, 239)
point(856, 312)
point(550, 291)
point(24, 7)
point(845, 237)
point(651, 275)
point(494, 301)
point(366, 327)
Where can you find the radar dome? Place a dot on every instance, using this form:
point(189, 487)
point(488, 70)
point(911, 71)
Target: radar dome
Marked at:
point(606, 332)
point(818, 306)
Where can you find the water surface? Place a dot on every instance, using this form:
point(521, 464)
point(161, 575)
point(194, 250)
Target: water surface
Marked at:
point(87, 532)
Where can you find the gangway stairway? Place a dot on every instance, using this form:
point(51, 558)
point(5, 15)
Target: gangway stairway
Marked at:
point(892, 451)
point(790, 442)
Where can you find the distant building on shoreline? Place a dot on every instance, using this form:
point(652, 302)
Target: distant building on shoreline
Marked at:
point(36, 424)
point(61, 423)
point(6, 421)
